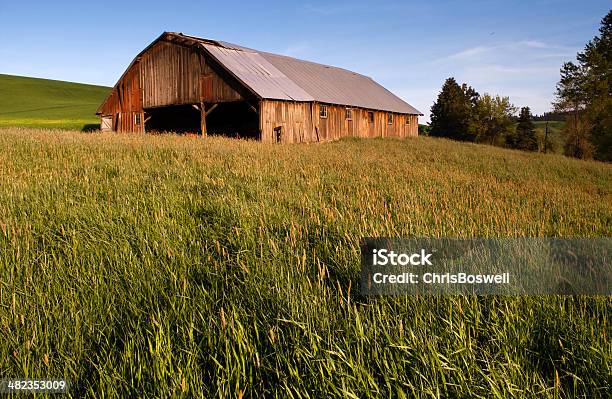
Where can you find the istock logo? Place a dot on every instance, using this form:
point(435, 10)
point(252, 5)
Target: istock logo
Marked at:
point(384, 257)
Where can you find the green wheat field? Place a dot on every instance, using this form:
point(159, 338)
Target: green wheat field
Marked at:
point(45, 103)
point(169, 266)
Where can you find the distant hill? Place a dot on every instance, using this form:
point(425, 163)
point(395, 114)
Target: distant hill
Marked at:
point(555, 134)
point(35, 102)
point(551, 116)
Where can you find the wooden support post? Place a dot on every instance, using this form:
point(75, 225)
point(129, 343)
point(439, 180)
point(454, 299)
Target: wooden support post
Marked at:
point(252, 107)
point(203, 119)
point(211, 109)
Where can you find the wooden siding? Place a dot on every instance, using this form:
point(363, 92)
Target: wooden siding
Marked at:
point(125, 102)
point(173, 74)
point(167, 74)
point(170, 75)
point(300, 122)
point(295, 119)
point(214, 86)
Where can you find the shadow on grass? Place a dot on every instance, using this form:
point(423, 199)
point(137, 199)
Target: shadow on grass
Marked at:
point(90, 127)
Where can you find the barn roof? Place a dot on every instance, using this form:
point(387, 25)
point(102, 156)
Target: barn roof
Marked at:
point(339, 86)
point(260, 75)
point(279, 77)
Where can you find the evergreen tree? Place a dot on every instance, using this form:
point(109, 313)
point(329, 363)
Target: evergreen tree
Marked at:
point(585, 91)
point(470, 95)
point(524, 137)
point(451, 113)
point(511, 139)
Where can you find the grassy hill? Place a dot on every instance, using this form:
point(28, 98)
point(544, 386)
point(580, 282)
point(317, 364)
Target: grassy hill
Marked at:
point(555, 133)
point(158, 266)
point(34, 102)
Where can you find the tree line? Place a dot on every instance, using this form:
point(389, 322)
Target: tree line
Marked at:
point(583, 100)
point(461, 113)
point(585, 93)
point(551, 116)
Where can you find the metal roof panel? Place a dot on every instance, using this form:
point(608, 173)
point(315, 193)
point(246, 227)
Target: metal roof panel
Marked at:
point(339, 86)
point(258, 73)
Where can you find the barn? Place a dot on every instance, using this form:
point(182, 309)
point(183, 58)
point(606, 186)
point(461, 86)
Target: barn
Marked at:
point(183, 83)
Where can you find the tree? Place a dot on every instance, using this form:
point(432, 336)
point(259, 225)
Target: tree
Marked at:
point(585, 90)
point(578, 142)
point(491, 118)
point(547, 145)
point(471, 95)
point(524, 136)
point(424, 130)
point(451, 113)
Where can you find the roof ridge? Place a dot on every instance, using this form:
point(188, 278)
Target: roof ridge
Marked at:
point(315, 63)
point(239, 47)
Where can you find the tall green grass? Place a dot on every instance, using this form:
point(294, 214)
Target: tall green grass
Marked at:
point(156, 266)
point(44, 103)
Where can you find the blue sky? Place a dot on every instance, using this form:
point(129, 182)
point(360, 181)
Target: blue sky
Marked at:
point(513, 48)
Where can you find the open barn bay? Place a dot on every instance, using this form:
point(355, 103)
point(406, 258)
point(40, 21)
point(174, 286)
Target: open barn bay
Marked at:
point(139, 265)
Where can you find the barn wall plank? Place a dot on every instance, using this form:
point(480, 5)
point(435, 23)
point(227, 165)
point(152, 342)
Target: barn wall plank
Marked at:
point(177, 74)
point(301, 122)
point(125, 101)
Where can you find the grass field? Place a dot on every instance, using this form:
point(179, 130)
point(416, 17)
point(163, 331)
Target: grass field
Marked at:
point(33, 102)
point(555, 133)
point(156, 266)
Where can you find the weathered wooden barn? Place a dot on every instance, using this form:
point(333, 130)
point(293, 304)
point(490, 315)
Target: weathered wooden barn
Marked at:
point(183, 83)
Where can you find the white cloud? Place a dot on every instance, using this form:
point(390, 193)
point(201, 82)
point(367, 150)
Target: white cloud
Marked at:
point(533, 47)
point(486, 72)
point(533, 44)
point(466, 54)
point(296, 49)
point(527, 71)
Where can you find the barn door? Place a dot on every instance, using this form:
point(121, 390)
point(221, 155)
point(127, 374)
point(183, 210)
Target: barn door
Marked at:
point(349, 121)
point(206, 94)
point(106, 123)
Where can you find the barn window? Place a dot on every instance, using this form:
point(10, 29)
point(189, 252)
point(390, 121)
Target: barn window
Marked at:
point(371, 117)
point(323, 111)
point(407, 119)
point(348, 113)
point(390, 118)
point(137, 119)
